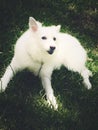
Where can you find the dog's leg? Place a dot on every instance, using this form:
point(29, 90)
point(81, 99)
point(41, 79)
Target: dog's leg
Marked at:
point(85, 74)
point(9, 73)
point(46, 82)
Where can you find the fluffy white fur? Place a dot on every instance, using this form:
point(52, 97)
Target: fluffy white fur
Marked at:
point(41, 50)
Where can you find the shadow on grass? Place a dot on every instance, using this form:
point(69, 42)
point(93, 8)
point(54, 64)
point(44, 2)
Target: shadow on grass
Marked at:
point(23, 107)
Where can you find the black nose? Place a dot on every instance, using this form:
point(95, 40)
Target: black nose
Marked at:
point(52, 48)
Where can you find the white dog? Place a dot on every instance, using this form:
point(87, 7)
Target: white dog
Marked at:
point(41, 50)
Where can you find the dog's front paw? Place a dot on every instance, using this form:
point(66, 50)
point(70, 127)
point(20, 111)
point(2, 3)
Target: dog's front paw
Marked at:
point(87, 85)
point(52, 101)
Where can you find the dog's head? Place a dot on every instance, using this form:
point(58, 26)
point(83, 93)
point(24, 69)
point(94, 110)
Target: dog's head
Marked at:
point(46, 36)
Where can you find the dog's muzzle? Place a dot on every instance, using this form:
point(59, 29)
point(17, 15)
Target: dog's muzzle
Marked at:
point(51, 50)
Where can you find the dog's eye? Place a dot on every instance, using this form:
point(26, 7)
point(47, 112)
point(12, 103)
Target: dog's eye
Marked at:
point(54, 38)
point(44, 38)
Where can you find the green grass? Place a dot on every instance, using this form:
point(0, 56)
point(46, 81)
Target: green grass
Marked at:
point(23, 105)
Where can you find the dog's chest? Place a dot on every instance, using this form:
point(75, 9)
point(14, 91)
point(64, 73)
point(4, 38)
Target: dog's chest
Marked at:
point(35, 67)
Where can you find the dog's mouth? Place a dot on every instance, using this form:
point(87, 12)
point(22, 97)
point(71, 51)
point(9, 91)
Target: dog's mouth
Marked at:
point(50, 52)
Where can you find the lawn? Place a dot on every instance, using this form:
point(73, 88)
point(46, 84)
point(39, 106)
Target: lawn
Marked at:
point(23, 105)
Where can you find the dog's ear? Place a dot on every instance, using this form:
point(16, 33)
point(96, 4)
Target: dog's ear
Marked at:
point(33, 24)
point(58, 27)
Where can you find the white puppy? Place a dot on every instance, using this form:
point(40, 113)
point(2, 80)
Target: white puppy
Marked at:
point(41, 50)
